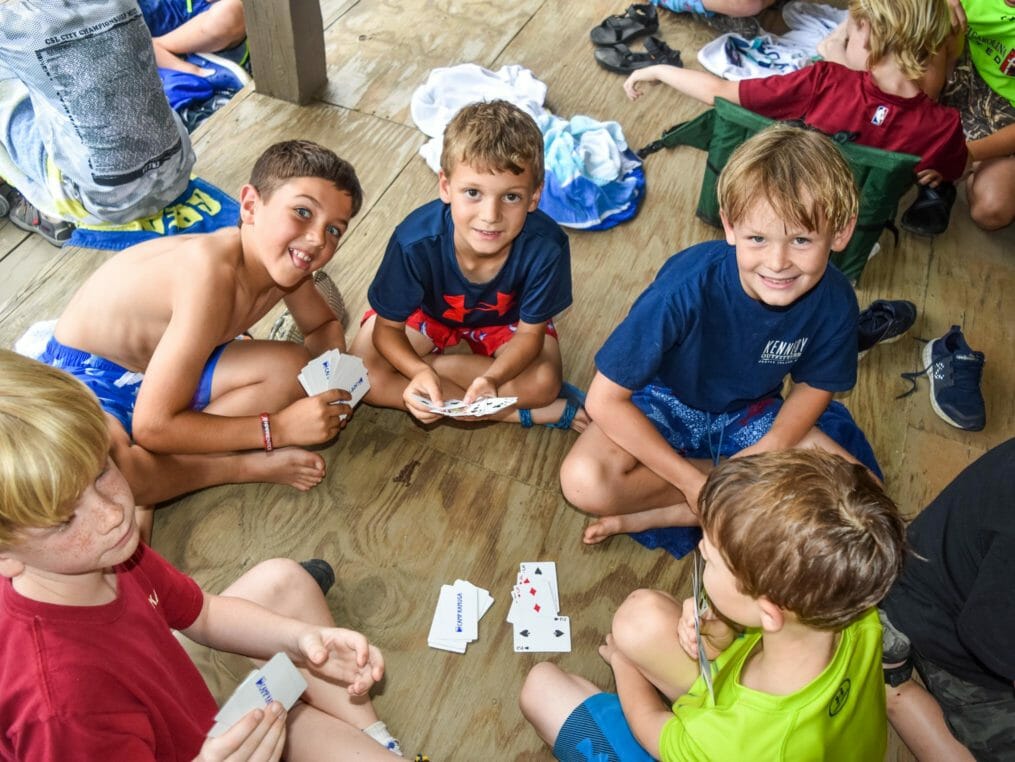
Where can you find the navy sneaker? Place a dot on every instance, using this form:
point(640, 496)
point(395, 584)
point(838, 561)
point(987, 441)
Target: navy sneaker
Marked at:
point(321, 571)
point(883, 322)
point(954, 370)
point(225, 75)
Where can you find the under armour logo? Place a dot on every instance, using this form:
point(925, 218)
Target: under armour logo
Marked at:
point(153, 599)
point(839, 699)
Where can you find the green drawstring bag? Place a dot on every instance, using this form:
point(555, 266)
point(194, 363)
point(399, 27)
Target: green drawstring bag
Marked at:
point(882, 177)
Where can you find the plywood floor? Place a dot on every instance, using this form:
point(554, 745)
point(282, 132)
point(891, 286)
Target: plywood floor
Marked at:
point(404, 510)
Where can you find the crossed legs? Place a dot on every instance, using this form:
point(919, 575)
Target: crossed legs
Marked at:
point(601, 478)
point(327, 718)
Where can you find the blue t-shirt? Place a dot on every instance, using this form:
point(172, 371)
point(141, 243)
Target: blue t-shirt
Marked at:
point(696, 331)
point(420, 270)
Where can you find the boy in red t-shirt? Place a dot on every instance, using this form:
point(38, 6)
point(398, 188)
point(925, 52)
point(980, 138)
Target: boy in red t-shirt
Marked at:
point(884, 105)
point(90, 667)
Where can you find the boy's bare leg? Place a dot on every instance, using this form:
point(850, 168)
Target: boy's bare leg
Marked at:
point(154, 478)
point(387, 385)
point(991, 193)
point(327, 712)
point(603, 479)
point(737, 7)
point(645, 631)
point(549, 695)
point(221, 26)
point(920, 723)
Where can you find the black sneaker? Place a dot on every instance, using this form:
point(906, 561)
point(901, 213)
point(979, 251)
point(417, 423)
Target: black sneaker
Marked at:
point(321, 571)
point(954, 370)
point(884, 322)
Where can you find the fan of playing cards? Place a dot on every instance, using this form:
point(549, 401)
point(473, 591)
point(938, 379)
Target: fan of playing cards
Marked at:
point(456, 619)
point(534, 609)
point(458, 409)
point(334, 370)
point(700, 607)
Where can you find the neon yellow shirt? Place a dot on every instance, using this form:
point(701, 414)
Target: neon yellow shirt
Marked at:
point(991, 39)
point(839, 716)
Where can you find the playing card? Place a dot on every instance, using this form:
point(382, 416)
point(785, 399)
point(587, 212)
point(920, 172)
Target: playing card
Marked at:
point(552, 634)
point(541, 570)
point(334, 370)
point(536, 599)
point(700, 607)
point(458, 409)
point(277, 680)
point(455, 617)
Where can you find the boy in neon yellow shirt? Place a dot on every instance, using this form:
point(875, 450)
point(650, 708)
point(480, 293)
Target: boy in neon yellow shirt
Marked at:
point(798, 547)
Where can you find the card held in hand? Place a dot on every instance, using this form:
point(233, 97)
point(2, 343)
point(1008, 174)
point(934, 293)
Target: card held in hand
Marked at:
point(277, 680)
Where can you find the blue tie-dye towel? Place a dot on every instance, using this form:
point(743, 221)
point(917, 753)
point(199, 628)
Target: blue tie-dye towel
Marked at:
point(201, 208)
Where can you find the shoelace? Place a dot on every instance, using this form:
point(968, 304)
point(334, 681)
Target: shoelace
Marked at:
point(966, 373)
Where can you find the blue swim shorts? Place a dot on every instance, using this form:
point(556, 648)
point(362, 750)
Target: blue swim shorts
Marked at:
point(710, 436)
point(163, 16)
point(596, 731)
point(115, 386)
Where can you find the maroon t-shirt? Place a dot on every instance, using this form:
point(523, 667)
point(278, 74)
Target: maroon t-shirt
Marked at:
point(831, 98)
point(104, 682)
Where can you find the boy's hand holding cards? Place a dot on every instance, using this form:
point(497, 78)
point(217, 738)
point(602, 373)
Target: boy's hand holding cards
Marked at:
point(458, 408)
point(334, 370)
point(456, 619)
point(278, 680)
point(535, 603)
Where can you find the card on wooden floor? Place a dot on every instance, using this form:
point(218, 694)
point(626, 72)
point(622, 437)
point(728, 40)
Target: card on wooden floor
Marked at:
point(540, 570)
point(456, 617)
point(536, 598)
point(276, 680)
point(548, 635)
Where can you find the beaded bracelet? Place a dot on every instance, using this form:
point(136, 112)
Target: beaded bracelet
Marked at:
point(266, 431)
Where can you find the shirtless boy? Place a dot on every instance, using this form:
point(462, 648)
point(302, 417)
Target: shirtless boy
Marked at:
point(152, 333)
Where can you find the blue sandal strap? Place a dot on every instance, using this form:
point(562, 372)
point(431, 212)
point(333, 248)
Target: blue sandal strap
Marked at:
point(525, 418)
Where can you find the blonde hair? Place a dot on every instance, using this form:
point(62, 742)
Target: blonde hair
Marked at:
point(911, 30)
point(53, 442)
point(496, 136)
point(810, 531)
point(799, 172)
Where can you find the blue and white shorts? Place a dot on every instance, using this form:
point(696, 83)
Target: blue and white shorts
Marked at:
point(710, 436)
point(596, 731)
point(115, 386)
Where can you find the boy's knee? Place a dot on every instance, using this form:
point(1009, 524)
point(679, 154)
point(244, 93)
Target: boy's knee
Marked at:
point(545, 383)
point(991, 213)
point(283, 585)
point(644, 619)
point(584, 482)
point(538, 684)
point(230, 20)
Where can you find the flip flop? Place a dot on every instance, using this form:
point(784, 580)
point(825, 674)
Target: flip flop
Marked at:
point(637, 20)
point(929, 213)
point(28, 218)
point(622, 60)
point(575, 400)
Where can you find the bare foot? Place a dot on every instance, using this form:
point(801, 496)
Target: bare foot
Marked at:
point(288, 465)
point(581, 420)
point(602, 529)
point(654, 518)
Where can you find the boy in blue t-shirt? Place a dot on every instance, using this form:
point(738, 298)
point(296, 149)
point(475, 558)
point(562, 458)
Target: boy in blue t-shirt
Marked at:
point(483, 265)
point(694, 372)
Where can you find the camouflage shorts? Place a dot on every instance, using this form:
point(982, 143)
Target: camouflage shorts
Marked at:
point(983, 111)
point(981, 718)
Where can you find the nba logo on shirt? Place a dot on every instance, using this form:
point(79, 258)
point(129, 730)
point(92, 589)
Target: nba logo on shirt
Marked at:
point(880, 114)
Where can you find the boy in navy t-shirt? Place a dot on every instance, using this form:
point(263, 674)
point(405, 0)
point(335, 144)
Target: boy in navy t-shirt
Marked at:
point(480, 265)
point(694, 372)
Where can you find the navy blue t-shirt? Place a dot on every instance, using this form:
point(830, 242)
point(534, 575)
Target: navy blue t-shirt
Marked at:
point(419, 270)
point(697, 332)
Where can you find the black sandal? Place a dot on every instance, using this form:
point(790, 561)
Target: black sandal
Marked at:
point(929, 213)
point(622, 60)
point(636, 21)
